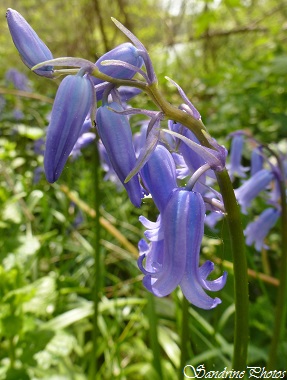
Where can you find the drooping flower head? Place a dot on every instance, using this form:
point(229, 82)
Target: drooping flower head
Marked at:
point(173, 257)
point(235, 168)
point(252, 187)
point(257, 231)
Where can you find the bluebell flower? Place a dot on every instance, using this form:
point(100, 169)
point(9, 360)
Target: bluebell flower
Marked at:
point(192, 159)
point(172, 258)
point(83, 140)
point(18, 114)
point(235, 168)
point(115, 132)
point(30, 47)
point(257, 231)
point(19, 80)
point(127, 93)
point(37, 174)
point(73, 102)
point(125, 52)
point(252, 187)
point(256, 161)
point(214, 157)
point(160, 169)
point(110, 174)
point(39, 146)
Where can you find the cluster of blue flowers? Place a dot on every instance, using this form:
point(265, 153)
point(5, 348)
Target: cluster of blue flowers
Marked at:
point(155, 161)
point(265, 176)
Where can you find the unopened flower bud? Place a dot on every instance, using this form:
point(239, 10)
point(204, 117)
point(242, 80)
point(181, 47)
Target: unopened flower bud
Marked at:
point(115, 133)
point(125, 52)
point(72, 104)
point(30, 47)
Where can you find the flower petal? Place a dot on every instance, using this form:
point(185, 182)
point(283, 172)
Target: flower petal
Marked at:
point(257, 231)
point(115, 133)
point(73, 102)
point(159, 176)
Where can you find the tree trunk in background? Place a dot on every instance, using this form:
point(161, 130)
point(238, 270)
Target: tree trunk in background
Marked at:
point(101, 25)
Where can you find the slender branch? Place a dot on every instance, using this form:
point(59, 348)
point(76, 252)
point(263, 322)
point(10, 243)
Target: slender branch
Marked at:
point(26, 94)
point(103, 221)
point(101, 24)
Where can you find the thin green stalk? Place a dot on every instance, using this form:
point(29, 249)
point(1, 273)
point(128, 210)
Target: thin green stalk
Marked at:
point(153, 333)
point(97, 267)
point(280, 311)
point(184, 337)
point(240, 271)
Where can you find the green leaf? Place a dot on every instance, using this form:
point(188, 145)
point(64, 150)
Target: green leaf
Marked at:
point(167, 339)
point(33, 199)
point(17, 374)
point(29, 245)
point(42, 302)
point(12, 325)
point(33, 342)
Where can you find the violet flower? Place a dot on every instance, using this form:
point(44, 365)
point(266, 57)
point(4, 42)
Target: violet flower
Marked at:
point(235, 168)
point(19, 80)
point(73, 102)
point(192, 159)
point(256, 160)
point(110, 174)
point(257, 231)
point(252, 187)
point(214, 157)
point(30, 47)
point(125, 52)
point(173, 259)
point(84, 140)
point(172, 256)
point(115, 133)
point(160, 169)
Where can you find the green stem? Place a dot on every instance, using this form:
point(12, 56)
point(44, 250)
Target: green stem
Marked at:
point(280, 311)
point(184, 337)
point(171, 112)
point(153, 333)
point(97, 267)
point(240, 271)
